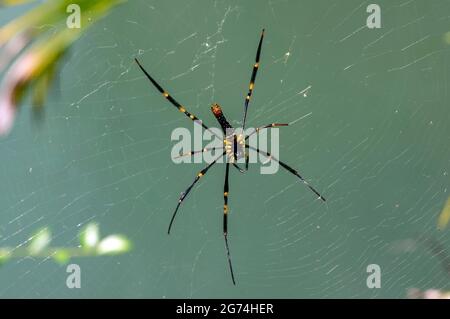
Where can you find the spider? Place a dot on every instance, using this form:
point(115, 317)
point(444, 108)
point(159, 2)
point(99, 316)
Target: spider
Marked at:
point(234, 146)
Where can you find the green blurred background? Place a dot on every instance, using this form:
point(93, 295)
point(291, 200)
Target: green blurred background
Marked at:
point(375, 142)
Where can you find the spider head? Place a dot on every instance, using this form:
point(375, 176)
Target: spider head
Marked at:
point(216, 109)
point(218, 114)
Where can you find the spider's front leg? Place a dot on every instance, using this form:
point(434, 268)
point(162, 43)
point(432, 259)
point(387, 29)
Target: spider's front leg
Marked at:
point(257, 130)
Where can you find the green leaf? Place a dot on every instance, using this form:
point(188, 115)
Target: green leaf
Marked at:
point(113, 244)
point(5, 254)
point(444, 217)
point(61, 256)
point(39, 241)
point(42, 85)
point(89, 237)
point(447, 38)
point(6, 3)
point(32, 69)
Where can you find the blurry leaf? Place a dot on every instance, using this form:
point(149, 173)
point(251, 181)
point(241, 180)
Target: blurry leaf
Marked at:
point(28, 67)
point(89, 237)
point(61, 256)
point(12, 48)
point(114, 244)
point(5, 3)
point(4, 255)
point(34, 68)
point(42, 86)
point(39, 241)
point(447, 37)
point(444, 217)
point(39, 246)
point(415, 293)
point(47, 12)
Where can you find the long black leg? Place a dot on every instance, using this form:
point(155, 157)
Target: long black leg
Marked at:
point(289, 169)
point(258, 129)
point(247, 159)
point(234, 148)
point(234, 158)
point(170, 98)
point(225, 220)
point(186, 192)
point(200, 151)
point(238, 168)
point(207, 150)
point(252, 79)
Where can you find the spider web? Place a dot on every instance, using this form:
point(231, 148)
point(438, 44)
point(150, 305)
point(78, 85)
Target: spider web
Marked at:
point(369, 113)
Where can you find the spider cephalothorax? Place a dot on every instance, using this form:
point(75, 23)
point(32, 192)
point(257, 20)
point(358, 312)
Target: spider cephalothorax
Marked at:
point(233, 142)
point(234, 146)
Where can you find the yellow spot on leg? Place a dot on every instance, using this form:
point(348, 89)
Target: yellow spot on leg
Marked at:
point(256, 65)
point(200, 174)
point(166, 94)
point(252, 85)
point(182, 109)
point(225, 194)
point(225, 209)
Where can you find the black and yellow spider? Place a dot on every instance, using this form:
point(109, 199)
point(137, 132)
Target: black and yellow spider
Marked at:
point(234, 146)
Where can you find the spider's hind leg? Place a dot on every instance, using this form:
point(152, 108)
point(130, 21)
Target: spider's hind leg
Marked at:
point(289, 169)
point(238, 168)
point(187, 191)
point(225, 220)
